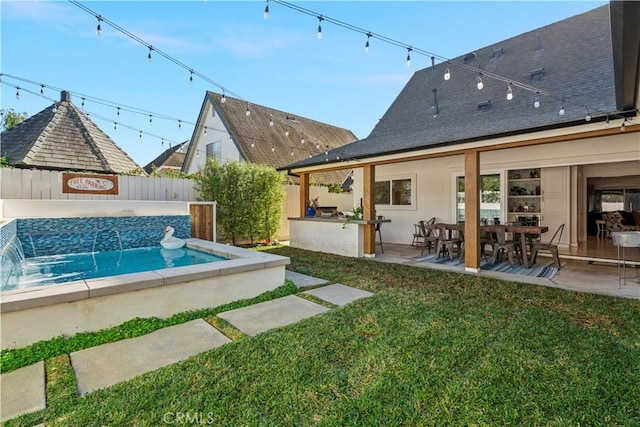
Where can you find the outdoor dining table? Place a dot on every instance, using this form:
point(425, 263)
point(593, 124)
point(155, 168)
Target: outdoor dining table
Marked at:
point(526, 232)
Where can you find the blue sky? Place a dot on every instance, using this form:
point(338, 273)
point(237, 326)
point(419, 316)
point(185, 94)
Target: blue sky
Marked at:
point(278, 62)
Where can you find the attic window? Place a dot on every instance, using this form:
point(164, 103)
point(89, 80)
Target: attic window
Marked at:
point(497, 53)
point(537, 75)
point(469, 56)
point(484, 105)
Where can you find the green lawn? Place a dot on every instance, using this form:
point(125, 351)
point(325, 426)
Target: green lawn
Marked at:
point(429, 348)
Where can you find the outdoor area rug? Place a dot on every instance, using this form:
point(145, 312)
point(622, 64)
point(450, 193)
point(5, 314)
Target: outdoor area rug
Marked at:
point(544, 268)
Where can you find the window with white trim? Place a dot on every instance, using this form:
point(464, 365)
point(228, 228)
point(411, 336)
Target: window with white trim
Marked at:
point(394, 192)
point(214, 151)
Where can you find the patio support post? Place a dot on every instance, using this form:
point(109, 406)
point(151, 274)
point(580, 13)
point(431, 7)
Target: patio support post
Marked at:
point(368, 195)
point(304, 193)
point(472, 210)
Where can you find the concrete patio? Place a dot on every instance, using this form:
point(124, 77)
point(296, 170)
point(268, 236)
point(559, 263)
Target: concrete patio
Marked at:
point(577, 273)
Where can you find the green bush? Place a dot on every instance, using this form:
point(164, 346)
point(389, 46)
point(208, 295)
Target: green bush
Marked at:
point(249, 199)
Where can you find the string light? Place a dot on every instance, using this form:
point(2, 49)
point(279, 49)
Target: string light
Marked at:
point(622, 126)
point(509, 93)
point(606, 123)
point(41, 90)
point(302, 140)
point(55, 108)
point(191, 78)
point(271, 120)
point(150, 119)
point(83, 103)
point(409, 49)
point(115, 126)
point(320, 19)
point(162, 142)
point(179, 124)
point(536, 103)
point(224, 99)
point(479, 83)
point(248, 112)
point(99, 27)
point(140, 135)
point(366, 45)
point(447, 74)
point(266, 11)
point(205, 131)
point(118, 114)
point(286, 132)
point(561, 112)
point(18, 93)
point(588, 116)
point(149, 54)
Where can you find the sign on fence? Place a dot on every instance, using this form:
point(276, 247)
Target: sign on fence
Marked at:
point(78, 183)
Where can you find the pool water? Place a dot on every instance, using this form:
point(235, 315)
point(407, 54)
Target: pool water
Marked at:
point(55, 269)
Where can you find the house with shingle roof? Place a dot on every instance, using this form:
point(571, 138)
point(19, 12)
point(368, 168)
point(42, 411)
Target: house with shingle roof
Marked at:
point(554, 124)
point(63, 138)
point(172, 158)
point(231, 129)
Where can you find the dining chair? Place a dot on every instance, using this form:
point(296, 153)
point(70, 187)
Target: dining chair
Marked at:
point(486, 239)
point(430, 235)
point(502, 245)
point(447, 242)
point(551, 246)
point(418, 236)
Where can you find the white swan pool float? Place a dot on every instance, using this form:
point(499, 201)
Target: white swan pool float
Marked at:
point(170, 242)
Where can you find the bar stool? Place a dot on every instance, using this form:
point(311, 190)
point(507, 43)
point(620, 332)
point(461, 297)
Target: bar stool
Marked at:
point(602, 228)
point(378, 224)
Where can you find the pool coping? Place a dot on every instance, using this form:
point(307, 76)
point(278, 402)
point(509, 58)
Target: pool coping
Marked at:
point(239, 260)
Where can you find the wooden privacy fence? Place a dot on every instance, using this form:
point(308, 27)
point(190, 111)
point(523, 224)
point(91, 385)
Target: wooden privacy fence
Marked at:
point(48, 185)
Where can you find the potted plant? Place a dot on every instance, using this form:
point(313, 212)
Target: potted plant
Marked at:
point(312, 205)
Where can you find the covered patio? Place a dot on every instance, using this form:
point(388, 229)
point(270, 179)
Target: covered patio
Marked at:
point(581, 273)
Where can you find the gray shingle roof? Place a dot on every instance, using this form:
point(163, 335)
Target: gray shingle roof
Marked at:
point(172, 157)
point(63, 140)
point(576, 55)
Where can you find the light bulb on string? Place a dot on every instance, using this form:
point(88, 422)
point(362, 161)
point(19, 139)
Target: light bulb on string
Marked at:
point(162, 141)
point(205, 131)
point(191, 78)
point(291, 153)
point(18, 93)
point(118, 113)
point(447, 74)
point(149, 54)
point(271, 120)
point(253, 144)
point(317, 146)
point(509, 93)
point(536, 103)
point(561, 112)
point(366, 45)
point(266, 11)
point(320, 19)
point(479, 83)
point(588, 116)
point(248, 112)
point(115, 126)
point(42, 90)
point(286, 132)
point(606, 123)
point(140, 135)
point(302, 140)
point(82, 103)
point(150, 119)
point(273, 149)
point(409, 49)
point(55, 108)
point(99, 27)
point(224, 98)
point(623, 125)
point(179, 124)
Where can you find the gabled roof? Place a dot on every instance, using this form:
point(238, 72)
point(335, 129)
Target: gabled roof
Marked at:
point(171, 158)
point(64, 139)
point(571, 60)
point(279, 144)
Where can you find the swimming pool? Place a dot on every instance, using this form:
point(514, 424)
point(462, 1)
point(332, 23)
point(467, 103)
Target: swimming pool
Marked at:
point(56, 269)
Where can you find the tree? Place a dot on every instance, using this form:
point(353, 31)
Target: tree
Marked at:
point(10, 118)
point(249, 199)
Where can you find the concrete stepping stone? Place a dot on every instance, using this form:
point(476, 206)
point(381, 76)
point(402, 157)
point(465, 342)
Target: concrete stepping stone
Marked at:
point(22, 391)
point(338, 294)
point(271, 314)
point(108, 364)
point(302, 280)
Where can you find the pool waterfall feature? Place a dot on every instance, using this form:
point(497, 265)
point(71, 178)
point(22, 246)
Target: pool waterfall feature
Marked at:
point(38, 313)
